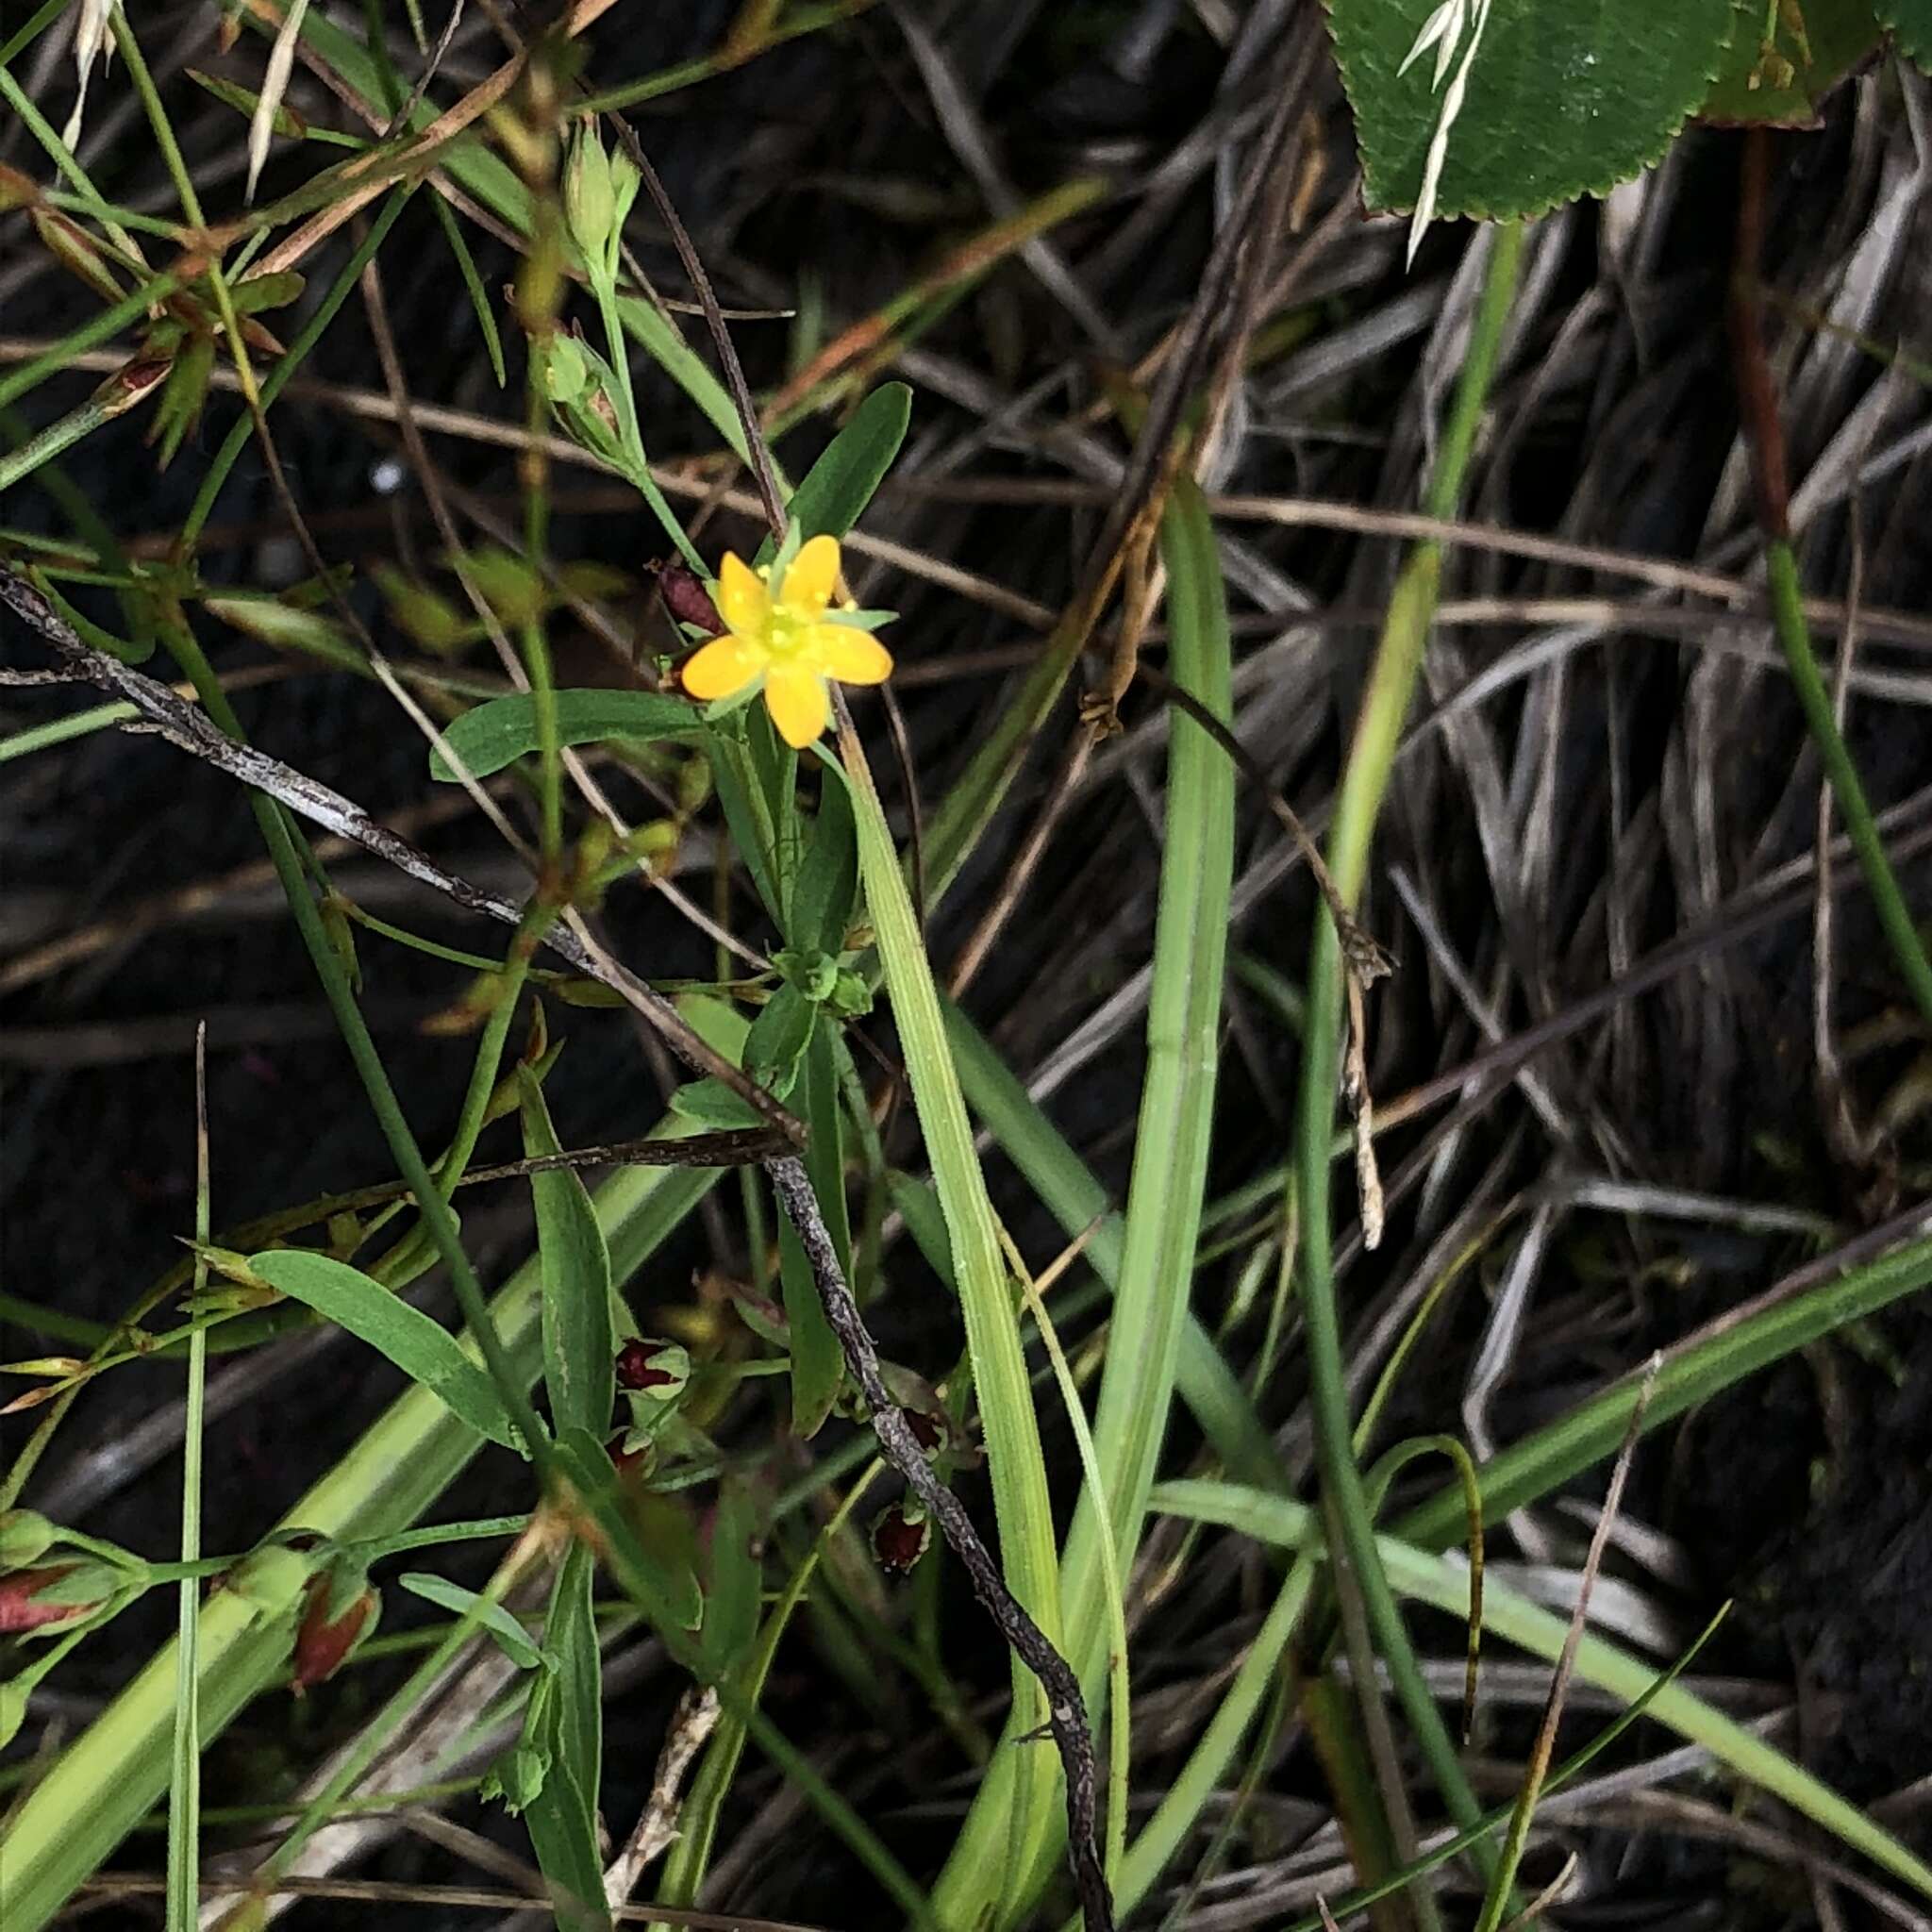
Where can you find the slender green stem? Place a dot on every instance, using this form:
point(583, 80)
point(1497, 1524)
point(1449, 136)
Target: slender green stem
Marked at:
point(1862, 828)
point(184, 1806)
point(631, 432)
point(272, 383)
point(61, 434)
point(1385, 707)
point(285, 853)
point(109, 322)
point(372, 1736)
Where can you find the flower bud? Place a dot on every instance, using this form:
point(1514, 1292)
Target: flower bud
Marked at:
point(688, 599)
point(332, 1630)
point(901, 1534)
point(658, 1370)
point(588, 201)
point(516, 1777)
point(26, 1537)
point(59, 1593)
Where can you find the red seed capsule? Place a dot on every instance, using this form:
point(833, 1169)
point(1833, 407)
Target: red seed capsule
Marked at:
point(23, 1606)
point(686, 599)
point(901, 1534)
point(646, 1365)
point(324, 1644)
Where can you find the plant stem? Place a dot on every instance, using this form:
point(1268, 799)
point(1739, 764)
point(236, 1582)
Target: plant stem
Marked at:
point(1862, 828)
point(1385, 707)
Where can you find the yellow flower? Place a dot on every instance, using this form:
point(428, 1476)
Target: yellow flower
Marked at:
point(787, 642)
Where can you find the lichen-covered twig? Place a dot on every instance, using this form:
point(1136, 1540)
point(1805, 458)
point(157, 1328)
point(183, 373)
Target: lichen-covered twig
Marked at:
point(901, 1447)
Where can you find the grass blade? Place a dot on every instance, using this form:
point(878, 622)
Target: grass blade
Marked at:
point(1385, 709)
point(1016, 1796)
point(1444, 1584)
point(1077, 1200)
point(184, 1788)
point(1169, 1182)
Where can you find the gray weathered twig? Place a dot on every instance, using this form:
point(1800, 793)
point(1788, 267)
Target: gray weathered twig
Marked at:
point(901, 1447)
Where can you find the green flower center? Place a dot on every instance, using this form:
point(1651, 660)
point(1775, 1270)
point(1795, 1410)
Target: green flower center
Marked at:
point(787, 631)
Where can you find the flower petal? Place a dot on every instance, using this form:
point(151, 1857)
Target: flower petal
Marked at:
point(721, 667)
point(797, 699)
point(851, 656)
point(813, 577)
point(744, 602)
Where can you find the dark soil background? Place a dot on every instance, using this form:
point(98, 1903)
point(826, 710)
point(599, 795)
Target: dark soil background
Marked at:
point(1577, 820)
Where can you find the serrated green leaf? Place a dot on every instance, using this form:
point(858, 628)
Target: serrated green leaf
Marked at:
point(1814, 45)
point(579, 1338)
point(836, 490)
point(1561, 99)
point(498, 733)
point(1910, 21)
point(510, 1635)
point(426, 1351)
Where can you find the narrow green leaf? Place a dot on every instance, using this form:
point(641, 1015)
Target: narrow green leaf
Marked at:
point(775, 1048)
point(708, 1103)
point(1592, 1431)
point(579, 1338)
point(731, 1605)
point(116, 1769)
point(1560, 100)
point(567, 1727)
point(1077, 1200)
point(659, 339)
point(510, 1635)
point(828, 878)
point(1019, 1790)
point(284, 626)
point(666, 1542)
point(1171, 1147)
point(917, 1204)
point(473, 283)
point(686, 1862)
point(835, 490)
point(501, 730)
point(425, 1351)
point(744, 814)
